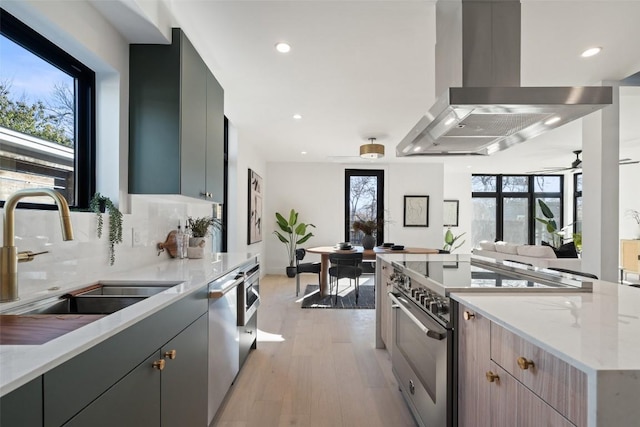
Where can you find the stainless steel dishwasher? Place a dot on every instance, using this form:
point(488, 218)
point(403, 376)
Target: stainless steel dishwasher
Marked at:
point(224, 351)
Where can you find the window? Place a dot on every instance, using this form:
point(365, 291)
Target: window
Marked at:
point(47, 130)
point(364, 195)
point(505, 207)
point(577, 203)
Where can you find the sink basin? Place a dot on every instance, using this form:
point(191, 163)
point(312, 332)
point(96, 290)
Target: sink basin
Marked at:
point(82, 304)
point(127, 289)
point(41, 321)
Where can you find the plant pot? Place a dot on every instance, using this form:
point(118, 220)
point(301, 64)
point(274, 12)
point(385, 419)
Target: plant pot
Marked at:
point(197, 242)
point(368, 241)
point(291, 272)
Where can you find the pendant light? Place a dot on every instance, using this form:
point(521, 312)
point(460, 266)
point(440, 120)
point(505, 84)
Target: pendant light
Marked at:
point(372, 150)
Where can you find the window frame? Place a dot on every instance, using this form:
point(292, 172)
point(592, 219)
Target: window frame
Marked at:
point(531, 195)
point(85, 129)
point(379, 174)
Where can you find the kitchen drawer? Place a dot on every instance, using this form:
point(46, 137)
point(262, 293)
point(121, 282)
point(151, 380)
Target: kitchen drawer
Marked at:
point(248, 335)
point(559, 384)
point(516, 405)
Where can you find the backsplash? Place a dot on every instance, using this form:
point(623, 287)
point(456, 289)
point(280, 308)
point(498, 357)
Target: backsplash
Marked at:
point(85, 258)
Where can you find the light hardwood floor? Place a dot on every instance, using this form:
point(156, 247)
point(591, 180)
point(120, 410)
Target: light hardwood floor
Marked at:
point(313, 367)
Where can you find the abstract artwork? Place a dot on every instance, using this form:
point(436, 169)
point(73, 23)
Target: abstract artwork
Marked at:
point(254, 232)
point(450, 213)
point(416, 211)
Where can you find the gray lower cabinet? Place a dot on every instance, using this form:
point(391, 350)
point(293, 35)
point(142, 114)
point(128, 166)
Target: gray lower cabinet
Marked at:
point(22, 407)
point(184, 380)
point(176, 122)
point(168, 389)
point(93, 380)
point(134, 401)
point(248, 335)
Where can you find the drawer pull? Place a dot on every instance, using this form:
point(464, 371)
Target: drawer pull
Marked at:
point(468, 315)
point(159, 364)
point(524, 363)
point(491, 377)
point(171, 354)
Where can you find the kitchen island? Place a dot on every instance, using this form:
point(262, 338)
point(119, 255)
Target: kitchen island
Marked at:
point(530, 358)
point(151, 328)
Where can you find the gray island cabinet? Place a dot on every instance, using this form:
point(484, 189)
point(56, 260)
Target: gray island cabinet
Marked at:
point(176, 126)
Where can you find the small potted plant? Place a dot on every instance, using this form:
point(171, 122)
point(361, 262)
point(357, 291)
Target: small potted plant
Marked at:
point(200, 229)
point(294, 233)
point(450, 241)
point(100, 204)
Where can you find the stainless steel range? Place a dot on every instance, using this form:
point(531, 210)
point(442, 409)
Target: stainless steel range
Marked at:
point(423, 334)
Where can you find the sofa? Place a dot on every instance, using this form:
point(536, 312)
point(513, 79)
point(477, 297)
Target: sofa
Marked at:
point(540, 256)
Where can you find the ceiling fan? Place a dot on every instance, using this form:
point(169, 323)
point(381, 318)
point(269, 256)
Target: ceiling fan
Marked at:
point(577, 164)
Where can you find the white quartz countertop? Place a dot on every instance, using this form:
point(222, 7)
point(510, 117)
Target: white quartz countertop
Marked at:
point(20, 364)
point(596, 331)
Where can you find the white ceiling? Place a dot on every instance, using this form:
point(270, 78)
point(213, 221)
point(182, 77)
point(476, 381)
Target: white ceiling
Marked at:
point(361, 69)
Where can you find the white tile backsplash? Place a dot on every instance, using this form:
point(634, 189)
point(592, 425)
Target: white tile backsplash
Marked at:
point(85, 258)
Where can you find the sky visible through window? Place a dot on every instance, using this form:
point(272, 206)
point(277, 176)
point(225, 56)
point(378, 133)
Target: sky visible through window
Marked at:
point(28, 78)
point(28, 74)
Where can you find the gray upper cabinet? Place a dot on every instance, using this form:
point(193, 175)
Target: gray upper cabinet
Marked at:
point(176, 125)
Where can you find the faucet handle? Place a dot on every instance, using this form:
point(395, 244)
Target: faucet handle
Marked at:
point(26, 256)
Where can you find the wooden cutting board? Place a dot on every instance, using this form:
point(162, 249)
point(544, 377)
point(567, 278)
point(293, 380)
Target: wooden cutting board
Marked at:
point(33, 329)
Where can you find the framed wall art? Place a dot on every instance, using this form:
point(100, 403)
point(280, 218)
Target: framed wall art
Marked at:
point(416, 211)
point(254, 231)
point(451, 212)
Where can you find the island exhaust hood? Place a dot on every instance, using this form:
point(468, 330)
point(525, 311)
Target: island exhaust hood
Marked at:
point(478, 50)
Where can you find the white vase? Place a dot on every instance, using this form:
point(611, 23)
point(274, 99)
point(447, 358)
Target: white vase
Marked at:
point(197, 242)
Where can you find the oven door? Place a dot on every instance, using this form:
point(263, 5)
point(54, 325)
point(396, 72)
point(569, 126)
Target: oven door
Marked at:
point(421, 361)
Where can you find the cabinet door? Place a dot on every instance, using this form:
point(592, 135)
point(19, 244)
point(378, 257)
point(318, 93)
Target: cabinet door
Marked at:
point(512, 404)
point(193, 121)
point(215, 139)
point(385, 303)
point(474, 354)
point(133, 401)
point(247, 336)
point(184, 380)
point(23, 407)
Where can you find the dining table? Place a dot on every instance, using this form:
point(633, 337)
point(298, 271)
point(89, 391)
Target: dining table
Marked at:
point(367, 254)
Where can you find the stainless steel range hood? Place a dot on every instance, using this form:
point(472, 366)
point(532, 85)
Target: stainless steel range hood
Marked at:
point(478, 50)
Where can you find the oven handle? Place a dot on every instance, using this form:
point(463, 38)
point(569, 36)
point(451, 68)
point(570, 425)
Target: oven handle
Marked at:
point(219, 293)
point(428, 332)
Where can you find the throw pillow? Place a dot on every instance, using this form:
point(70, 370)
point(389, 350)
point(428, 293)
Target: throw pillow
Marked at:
point(486, 245)
point(507, 248)
point(536, 251)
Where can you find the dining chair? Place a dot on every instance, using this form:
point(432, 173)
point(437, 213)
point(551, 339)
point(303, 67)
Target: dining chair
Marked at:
point(345, 266)
point(306, 267)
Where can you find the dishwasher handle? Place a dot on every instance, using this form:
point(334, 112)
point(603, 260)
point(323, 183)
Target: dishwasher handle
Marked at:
point(219, 293)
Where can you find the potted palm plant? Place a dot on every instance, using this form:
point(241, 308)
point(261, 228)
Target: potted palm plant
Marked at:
point(292, 233)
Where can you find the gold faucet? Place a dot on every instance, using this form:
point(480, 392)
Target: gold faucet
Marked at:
point(9, 255)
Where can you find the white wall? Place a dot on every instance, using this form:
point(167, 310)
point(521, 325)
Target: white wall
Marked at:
point(457, 186)
point(316, 191)
point(242, 157)
point(629, 179)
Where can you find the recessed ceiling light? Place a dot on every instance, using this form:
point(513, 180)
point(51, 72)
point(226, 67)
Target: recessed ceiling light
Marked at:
point(303, 152)
point(297, 116)
point(283, 47)
point(552, 120)
point(591, 52)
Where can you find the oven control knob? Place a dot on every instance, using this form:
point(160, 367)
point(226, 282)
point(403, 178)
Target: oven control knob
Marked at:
point(415, 292)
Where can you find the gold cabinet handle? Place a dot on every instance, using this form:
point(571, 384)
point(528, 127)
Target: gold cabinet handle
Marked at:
point(491, 377)
point(159, 364)
point(171, 354)
point(525, 363)
point(468, 315)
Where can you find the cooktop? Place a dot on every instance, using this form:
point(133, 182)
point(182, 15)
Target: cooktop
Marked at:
point(449, 274)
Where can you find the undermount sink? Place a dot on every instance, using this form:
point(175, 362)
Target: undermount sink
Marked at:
point(41, 321)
